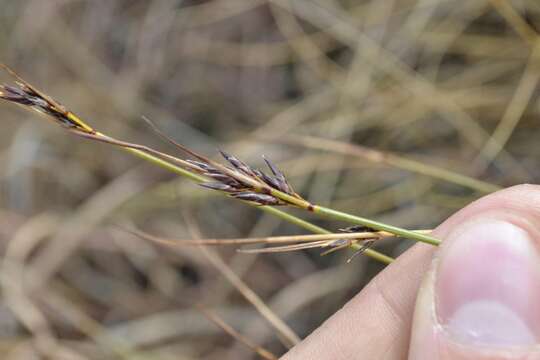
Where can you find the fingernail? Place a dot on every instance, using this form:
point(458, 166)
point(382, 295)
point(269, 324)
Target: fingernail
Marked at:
point(487, 286)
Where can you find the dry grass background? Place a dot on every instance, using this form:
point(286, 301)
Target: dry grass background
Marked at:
point(449, 84)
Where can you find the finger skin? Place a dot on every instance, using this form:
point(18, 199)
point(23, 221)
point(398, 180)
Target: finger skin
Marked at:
point(377, 322)
point(519, 206)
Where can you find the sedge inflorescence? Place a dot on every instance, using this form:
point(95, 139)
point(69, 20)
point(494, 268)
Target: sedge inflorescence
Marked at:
point(237, 188)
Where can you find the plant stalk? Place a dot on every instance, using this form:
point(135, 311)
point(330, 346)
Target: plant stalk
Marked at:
point(338, 215)
point(268, 209)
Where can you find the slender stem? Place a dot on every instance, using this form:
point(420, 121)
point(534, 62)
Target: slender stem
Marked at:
point(294, 220)
point(319, 230)
point(155, 157)
point(338, 215)
point(328, 239)
point(78, 126)
point(165, 164)
point(269, 209)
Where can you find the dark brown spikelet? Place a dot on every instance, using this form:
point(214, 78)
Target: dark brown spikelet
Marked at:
point(16, 95)
point(27, 95)
point(203, 167)
point(261, 199)
point(240, 188)
point(357, 228)
point(226, 180)
point(269, 180)
point(230, 184)
point(219, 186)
point(279, 178)
point(24, 95)
point(237, 164)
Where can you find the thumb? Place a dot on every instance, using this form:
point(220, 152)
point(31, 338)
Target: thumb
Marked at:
point(481, 297)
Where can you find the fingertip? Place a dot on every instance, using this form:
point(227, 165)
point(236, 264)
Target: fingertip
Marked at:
point(481, 297)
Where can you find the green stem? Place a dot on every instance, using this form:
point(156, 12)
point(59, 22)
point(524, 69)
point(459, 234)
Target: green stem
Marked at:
point(165, 164)
point(319, 230)
point(338, 215)
point(269, 209)
point(301, 203)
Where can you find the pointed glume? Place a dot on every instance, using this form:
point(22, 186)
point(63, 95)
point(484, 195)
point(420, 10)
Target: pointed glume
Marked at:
point(242, 189)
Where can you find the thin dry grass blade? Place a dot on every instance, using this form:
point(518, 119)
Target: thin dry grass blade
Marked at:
point(286, 248)
point(329, 238)
point(171, 141)
point(109, 140)
point(213, 317)
point(287, 335)
point(338, 247)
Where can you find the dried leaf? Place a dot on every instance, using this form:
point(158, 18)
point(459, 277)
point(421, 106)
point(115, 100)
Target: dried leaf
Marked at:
point(285, 248)
point(342, 244)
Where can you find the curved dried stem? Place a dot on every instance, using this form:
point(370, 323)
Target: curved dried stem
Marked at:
point(213, 317)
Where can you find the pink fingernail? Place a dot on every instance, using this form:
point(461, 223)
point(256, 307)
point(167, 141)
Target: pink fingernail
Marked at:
point(488, 286)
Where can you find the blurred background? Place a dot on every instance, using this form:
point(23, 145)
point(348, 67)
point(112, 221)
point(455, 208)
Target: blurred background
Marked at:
point(399, 110)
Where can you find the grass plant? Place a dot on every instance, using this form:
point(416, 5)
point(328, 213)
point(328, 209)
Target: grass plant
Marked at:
point(398, 112)
point(238, 180)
